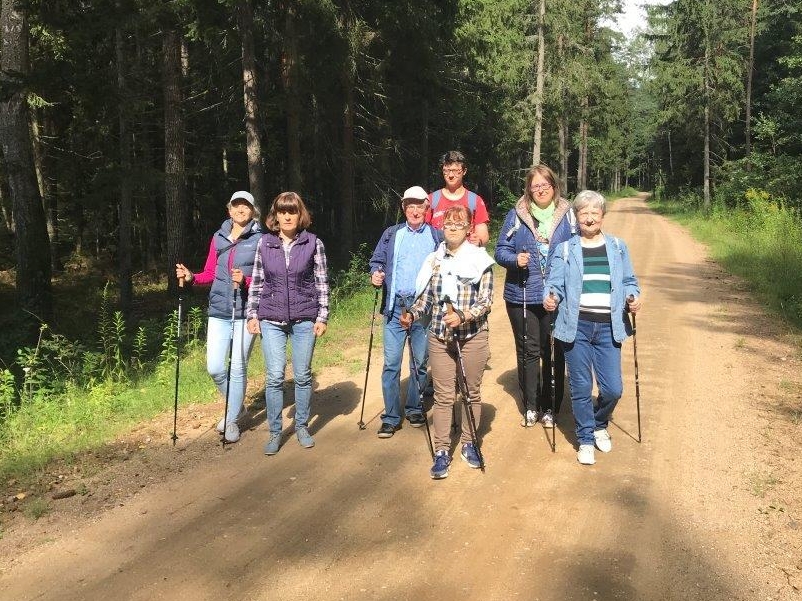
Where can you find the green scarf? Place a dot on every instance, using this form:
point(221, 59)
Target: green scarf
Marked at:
point(544, 218)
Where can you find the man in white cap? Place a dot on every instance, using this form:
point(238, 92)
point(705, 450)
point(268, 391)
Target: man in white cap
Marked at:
point(394, 266)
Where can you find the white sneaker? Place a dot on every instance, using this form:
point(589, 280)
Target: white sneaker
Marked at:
point(221, 424)
point(547, 419)
point(530, 418)
point(603, 441)
point(586, 455)
point(232, 432)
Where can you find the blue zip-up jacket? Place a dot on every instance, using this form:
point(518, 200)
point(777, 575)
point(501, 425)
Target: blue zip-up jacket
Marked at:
point(519, 233)
point(382, 260)
point(239, 255)
point(565, 279)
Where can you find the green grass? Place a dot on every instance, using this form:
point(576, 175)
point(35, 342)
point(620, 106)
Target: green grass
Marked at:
point(622, 193)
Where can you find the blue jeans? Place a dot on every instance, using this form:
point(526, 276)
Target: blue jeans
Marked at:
point(395, 340)
point(218, 336)
point(274, 348)
point(593, 352)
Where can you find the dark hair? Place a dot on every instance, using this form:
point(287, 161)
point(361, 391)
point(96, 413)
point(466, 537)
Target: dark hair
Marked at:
point(452, 156)
point(546, 173)
point(288, 202)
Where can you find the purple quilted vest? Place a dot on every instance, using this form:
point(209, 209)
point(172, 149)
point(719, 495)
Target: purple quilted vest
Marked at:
point(288, 292)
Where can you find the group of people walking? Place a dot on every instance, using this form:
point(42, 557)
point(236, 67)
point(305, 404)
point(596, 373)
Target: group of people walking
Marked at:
point(567, 292)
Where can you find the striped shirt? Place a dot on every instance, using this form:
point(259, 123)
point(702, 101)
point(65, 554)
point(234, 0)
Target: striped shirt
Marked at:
point(594, 302)
point(474, 300)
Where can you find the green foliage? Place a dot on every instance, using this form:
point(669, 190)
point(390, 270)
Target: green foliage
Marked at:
point(139, 350)
point(8, 394)
point(348, 282)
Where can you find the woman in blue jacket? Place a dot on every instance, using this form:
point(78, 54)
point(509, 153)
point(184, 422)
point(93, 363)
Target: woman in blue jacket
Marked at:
point(539, 221)
point(228, 271)
point(592, 282)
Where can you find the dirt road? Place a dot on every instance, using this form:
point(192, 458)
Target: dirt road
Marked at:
point(706, 507)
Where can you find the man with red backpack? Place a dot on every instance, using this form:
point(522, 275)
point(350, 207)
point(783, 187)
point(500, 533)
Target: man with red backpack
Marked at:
point(455, 194)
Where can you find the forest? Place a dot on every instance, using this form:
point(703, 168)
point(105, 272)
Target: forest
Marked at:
point(126, 124)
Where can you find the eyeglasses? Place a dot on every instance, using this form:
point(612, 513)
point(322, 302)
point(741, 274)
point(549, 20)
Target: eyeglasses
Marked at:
point(536, 188)
point(455, 226)
point(594, 214)
point(453, 171)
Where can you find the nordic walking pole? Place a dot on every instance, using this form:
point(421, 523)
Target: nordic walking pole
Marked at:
point(525, 353)
point(553, 358)
point(421, 389)
point(361, 422)
point(230, 357)
point(177, 356)
point(462, 382)
point(631, 298)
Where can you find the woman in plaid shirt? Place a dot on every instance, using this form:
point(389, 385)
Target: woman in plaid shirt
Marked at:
point(463, 273)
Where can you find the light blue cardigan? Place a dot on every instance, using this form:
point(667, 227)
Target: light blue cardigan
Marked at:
point(565, 280)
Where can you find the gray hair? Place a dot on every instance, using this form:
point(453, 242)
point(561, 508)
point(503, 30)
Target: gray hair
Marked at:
point(589, 198)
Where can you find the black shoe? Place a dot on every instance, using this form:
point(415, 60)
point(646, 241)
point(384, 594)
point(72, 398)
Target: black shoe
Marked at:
point(387, 430)
point(416, 420)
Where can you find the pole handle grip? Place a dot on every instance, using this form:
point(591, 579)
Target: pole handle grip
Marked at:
point(449, 305)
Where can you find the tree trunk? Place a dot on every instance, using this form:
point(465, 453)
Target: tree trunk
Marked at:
point(670, 155)
point(749, 73)
point(293, 103)
point(348, 166)
point(582, 163)
point(541, 57)
point(256, 172)
point(32, 247)
point(706, 157)
point(174, 164)
point(124, 249)
point(562, 133)
point(424, 145)
point(348, 160)
point(46, 188)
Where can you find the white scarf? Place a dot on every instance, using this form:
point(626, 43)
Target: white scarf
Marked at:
point(469, 262)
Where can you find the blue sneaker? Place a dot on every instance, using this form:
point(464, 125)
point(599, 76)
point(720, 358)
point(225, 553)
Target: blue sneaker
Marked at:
point(440, 468)
point(470, 455)
point(273, 444)
point(304, 437)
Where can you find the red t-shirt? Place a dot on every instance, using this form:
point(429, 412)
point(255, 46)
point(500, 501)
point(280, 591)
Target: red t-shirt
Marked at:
point(435, 216)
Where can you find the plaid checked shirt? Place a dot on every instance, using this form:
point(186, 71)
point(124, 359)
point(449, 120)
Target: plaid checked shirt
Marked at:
point(474, 301)
point(321, 271)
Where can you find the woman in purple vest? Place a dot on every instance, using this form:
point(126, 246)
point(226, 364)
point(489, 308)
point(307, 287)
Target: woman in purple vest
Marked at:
point(228, 272)
point(288, 300)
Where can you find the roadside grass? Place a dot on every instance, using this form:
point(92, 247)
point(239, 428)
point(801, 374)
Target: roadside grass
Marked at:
point(627, 192)
point(761, 243)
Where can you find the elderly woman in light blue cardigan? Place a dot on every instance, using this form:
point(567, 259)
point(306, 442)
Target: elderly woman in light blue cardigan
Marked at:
point(592, 286)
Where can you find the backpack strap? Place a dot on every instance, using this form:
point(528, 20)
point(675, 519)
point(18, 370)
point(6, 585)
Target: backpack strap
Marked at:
point(225, 248)
point(436, 198)
point(572, 220)
point(515, 227)
point(439, 192)
point(472, 201)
